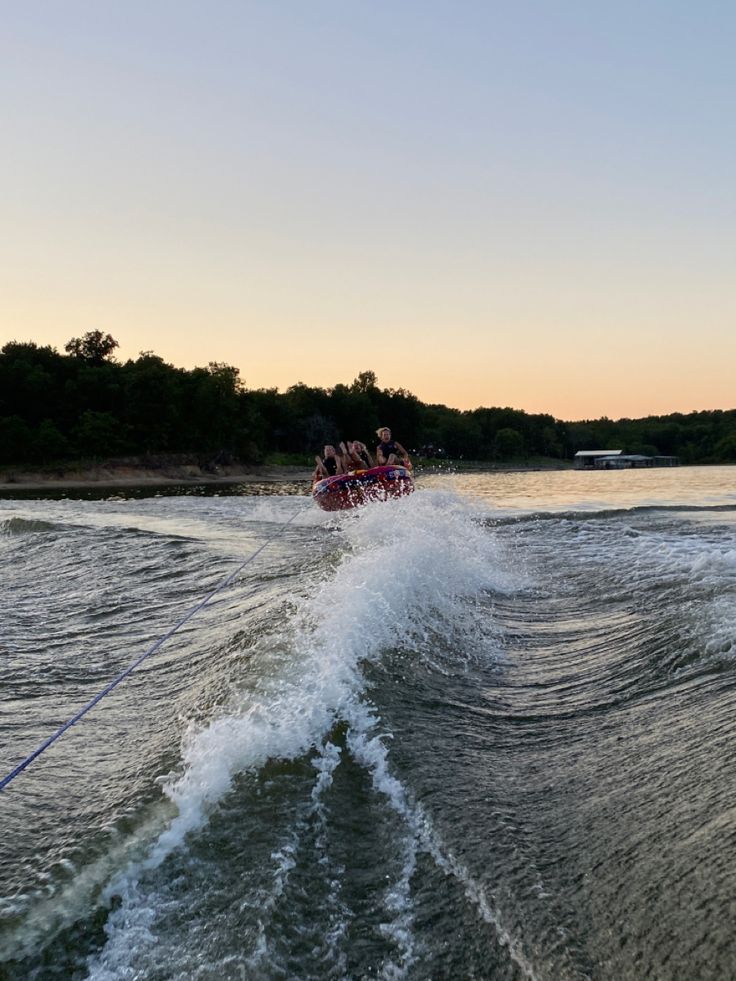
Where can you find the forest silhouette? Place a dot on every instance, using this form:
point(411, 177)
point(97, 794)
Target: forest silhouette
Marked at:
point(85, 404)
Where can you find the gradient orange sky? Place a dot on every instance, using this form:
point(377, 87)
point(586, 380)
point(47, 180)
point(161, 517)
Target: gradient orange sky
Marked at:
point(527, 204)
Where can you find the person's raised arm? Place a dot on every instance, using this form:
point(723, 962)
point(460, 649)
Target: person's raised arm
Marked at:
point(403, 452)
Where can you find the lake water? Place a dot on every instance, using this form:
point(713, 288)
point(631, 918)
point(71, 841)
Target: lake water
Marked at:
point(486, 731)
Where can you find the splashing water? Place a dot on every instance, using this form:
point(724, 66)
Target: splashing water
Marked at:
point(416, 742)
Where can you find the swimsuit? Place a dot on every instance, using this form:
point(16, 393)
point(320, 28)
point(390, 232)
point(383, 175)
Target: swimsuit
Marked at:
point(388, 448)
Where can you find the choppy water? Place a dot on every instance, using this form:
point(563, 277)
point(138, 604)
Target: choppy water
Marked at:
point(487, 731)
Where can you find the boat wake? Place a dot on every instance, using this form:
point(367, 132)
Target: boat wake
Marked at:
point(406, 572)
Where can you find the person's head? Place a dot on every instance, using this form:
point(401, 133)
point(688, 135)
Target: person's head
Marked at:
point(329, 450)
point(384, 434)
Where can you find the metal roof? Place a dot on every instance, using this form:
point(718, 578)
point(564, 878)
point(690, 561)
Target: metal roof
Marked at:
point(598, 452)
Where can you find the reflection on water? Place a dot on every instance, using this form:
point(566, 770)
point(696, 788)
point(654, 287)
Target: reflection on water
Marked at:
point(579, 490)
point(405, 743)
point(514, 491)
point(98, 492)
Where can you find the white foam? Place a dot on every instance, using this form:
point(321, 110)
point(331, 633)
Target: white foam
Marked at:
point(285, 861)
point(408, 564)
point(277, 509)
point(64, 905)
point(477, 895)
point(325, 765)
point(369, 749)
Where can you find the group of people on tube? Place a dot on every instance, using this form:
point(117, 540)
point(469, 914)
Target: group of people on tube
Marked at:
point(355, 456)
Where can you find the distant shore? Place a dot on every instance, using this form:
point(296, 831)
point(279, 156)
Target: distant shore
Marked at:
point(114, 476)
point(123, 474)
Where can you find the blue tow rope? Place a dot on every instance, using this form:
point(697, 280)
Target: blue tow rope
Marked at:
point(151, 650)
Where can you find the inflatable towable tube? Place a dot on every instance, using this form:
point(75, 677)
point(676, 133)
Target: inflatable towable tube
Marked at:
point(349, 490)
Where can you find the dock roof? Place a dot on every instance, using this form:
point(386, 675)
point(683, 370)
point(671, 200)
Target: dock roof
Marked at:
point(598, 452)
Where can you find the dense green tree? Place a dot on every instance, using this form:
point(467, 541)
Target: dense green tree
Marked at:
point(366, 383)
point(551, 441)
point(458, 434)
point(48, 444)
point(318, 431)
point(85, 403)
point(725, 448)
point(508, 444)
point(32, 381)
point(100, 434)
point(93, 347)
point(354, 413)
point(153, 405)
point(15, 440)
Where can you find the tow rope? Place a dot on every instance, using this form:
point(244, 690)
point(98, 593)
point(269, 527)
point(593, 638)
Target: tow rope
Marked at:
point(151, 650)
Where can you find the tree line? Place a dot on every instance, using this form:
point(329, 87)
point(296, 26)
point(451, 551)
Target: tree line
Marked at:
point(86, 404)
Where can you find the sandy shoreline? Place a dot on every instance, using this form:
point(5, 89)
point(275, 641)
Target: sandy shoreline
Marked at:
point(122, 477)
point(114, 476)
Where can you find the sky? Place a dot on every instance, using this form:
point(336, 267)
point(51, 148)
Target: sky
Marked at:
point(527, 204)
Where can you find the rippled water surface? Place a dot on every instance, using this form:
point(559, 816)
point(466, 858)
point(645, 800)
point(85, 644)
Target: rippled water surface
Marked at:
point(486, 731)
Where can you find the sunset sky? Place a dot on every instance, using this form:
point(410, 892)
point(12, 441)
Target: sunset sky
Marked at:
point(518, 203)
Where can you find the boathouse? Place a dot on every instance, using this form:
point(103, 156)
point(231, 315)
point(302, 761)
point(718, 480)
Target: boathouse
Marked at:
point(586, 459)
point(617, 460)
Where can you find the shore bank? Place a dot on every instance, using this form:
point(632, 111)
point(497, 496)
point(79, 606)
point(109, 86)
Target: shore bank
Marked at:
point(130, 476)
point(121, 475)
